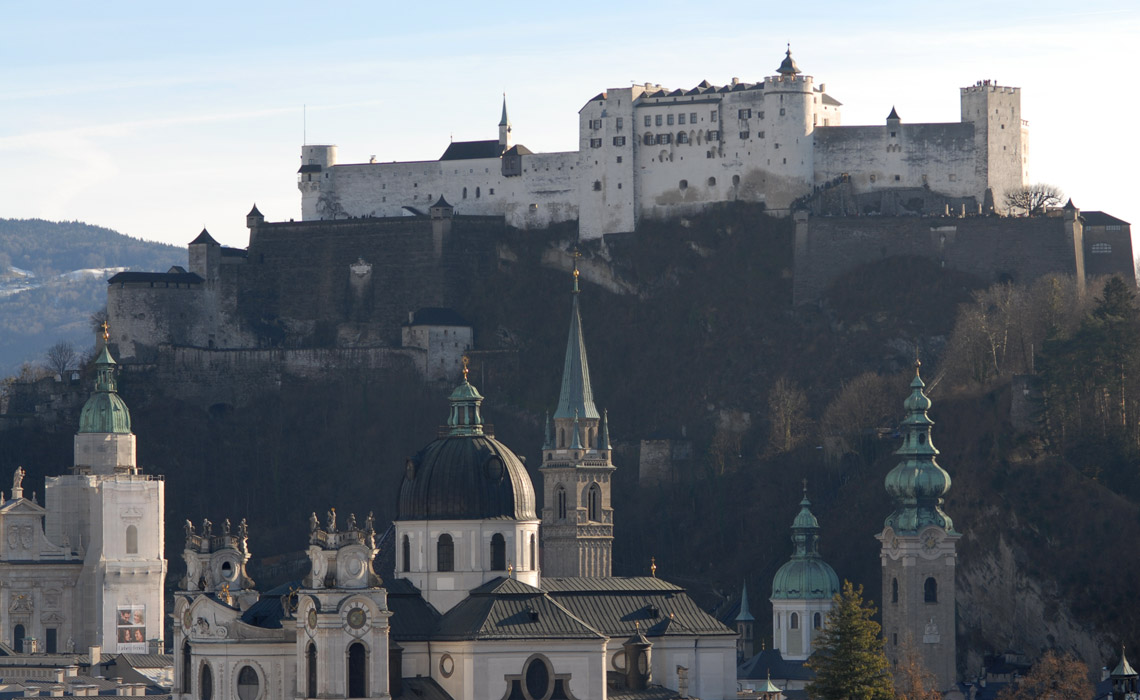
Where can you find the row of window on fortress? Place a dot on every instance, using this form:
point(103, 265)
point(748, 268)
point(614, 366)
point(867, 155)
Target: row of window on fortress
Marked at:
point(679, 119)
point(794, 621)
point(445, 554)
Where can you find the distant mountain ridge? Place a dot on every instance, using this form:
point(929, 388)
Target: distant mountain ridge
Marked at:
point(53, 277)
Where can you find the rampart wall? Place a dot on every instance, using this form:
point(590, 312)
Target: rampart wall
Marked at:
point(993, 248)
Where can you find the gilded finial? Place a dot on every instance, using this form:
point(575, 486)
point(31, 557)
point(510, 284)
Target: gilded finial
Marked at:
point(510, 569)
point(106, 332)
point(653, 567)
point(576, 273)
point(466, 361)
point(226, 593)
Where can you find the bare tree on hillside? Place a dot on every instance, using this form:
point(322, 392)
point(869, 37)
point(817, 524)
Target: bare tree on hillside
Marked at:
point(787, 415)
point(1033, 199)
point(61, 357)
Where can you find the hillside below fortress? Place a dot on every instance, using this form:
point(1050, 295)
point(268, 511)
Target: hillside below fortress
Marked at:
point(646, 151)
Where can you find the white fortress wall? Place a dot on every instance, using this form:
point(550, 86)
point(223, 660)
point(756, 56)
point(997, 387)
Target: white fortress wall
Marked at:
point(942, 156)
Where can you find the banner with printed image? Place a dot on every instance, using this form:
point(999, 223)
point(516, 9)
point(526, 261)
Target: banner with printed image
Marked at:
point(130, 627)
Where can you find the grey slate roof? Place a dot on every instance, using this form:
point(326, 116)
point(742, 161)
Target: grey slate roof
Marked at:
point(413, 619)
point(467, 150)
point(506, 608)
point(269, 610)
point(618, 607)
point(204, 238)
point(518, 150)
point(1099, 218)
point(421, 688)
point(155, 277)
point(771, 663)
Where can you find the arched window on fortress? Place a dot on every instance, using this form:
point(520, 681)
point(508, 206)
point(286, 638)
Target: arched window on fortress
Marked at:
point(712, 182)
point(406, 553)
point(560, 502)
point(132, 539)
point(683, 185)
point(476, 193)
point(533, 560)
point(465, 193)
point(594, 503)
point(794, 621)
point(597, 185)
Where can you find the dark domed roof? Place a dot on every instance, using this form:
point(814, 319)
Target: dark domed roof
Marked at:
point(470, 477)
point(466, 475)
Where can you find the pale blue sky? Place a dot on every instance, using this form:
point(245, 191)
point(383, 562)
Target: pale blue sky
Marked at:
point(157, 119)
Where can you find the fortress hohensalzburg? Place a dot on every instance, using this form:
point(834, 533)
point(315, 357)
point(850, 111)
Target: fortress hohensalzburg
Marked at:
point(646, 151)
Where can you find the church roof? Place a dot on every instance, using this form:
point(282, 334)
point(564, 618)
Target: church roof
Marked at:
point(105, 411)
point(618, 607)
point(505, 608)
point(770, 663)
point(468, 150)
point(894, 114)
point(1099, 218)
point(1123, 669)
point(518, 150)
point(413, 618)
point(269, 610)
point(422, 688)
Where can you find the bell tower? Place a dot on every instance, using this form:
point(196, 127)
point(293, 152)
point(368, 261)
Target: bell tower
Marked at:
point(919, 550)
point(577, 517)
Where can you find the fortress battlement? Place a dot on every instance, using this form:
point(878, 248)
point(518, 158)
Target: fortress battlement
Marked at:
point(987, 86)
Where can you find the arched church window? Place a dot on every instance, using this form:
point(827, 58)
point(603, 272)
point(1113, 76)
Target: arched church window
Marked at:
point(594, 503)
point(560, 498)
point(533, 560)
point(817, 621)
point(311, 671)
point(894, 590)
point(561, 437)
point(590, 435)
point(498, 553)
point(187, 667)
point(712, 182)
point(132, 539)
point(477, 193)
point(445, 553)
point(18, 637)
point(406, 554)
point(206, 684)
point(794, 621)
point(357, 671)
point(930, 590)
point(465, 193)
point(248, 684)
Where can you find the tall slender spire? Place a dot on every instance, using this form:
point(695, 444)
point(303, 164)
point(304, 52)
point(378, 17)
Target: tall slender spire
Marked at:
point(576, 397)
point(604, 435)
point(745, 615)
point(505, 121)
point(917, 484)
point(548, 441)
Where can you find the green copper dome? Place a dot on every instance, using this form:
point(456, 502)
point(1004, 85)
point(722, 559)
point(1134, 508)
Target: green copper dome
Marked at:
point(465, 418)
point(806, 575)
point(917, 484)
point(105, 411)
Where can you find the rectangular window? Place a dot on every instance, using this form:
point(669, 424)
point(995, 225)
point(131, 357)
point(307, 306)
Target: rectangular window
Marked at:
point(595, 124)
point(714, 135)
point(782, 111)
point(712, 116)
point(1112, 227)
point(681, 118)
point(618, 123)
point(648, 120)
point(669, 119)
point(619, 159)
point(761, 115)
point(692, 117)
point(744, 135)
point(595, 143)
point(745, 114)
point(619, 140)
point(658, 120)
point(664, 138)
point(760, 134)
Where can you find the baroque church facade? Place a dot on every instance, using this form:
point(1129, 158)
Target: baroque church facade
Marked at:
point(648, 151)
point(472, 609)
point(87, 568)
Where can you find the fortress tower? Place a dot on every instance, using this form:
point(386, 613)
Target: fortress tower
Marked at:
point(1001, 137)
point(577, 518)
point(919, 551)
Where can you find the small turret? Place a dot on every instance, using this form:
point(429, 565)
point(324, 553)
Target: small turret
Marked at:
point(893, 117)
point(254, 218)
point(205, 257)
point(638, 661)
point(788, 66)
point(1124, 679)
point(104, 443)
point(505, 127)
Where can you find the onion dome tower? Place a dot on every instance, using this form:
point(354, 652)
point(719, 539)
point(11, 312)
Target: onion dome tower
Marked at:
point(1125, 680)
point(788, 66)
point(802, 589)
point(104, 443)
point(577, 518)
point(919, 548)
point(466, 510)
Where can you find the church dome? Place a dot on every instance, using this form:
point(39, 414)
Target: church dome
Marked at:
point(805, 578)
point(105, 411)
point(806, 575)
point(467, 474)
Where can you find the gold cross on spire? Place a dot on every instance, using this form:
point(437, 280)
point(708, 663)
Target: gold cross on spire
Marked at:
point(576, 254)
point(466, 361)
point(106, 332)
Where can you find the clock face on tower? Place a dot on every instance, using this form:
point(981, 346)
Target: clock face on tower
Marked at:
point(357, 618)
point(312, 618)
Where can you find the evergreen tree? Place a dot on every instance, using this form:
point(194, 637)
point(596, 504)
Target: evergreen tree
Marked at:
point(849, 661)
